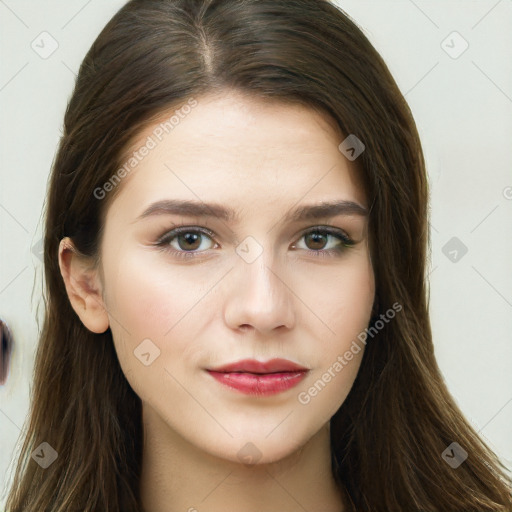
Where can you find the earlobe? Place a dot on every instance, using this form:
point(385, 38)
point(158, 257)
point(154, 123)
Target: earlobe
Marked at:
point(83, 287)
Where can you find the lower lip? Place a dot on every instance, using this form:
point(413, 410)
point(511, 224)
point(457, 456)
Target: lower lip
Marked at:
point(264, 384)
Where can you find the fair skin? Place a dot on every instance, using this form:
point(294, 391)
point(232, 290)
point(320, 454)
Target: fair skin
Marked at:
point(262, 159)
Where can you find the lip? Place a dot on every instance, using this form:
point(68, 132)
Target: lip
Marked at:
point(259, 378)
point(254, 366)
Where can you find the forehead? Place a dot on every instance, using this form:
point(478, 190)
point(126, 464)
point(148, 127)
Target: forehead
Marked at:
point(232, 144)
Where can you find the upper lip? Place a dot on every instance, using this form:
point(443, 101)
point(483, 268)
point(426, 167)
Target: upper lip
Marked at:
point(254, 366)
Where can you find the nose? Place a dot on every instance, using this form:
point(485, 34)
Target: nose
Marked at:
point(259, 298)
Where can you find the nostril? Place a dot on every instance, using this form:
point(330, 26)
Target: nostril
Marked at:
point(5, 351)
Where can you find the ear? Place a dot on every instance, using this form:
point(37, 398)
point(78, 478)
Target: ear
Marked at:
point(83, 287)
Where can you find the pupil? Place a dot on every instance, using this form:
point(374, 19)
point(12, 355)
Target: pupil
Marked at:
point(189, 238)
point(317, 238)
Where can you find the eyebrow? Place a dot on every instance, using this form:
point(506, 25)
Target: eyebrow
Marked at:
point(190, 208)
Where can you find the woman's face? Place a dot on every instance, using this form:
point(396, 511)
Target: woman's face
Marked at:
point(245, 280)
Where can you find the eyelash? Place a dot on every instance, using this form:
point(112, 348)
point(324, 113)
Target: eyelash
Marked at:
point(164, 241)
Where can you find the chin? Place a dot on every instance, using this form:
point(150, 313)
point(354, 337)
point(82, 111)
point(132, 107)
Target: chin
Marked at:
point(259, 448)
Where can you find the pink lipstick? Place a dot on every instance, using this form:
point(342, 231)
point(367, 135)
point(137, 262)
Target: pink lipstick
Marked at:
point(257, 378)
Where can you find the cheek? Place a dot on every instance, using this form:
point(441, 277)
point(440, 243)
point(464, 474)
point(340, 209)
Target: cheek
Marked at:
point(151, 299)
point(144, 303)
point(341, 299)
point(345, 308)
point(331, 385)
point(148, 297)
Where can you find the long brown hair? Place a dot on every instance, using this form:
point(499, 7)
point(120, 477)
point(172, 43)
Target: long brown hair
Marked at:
point(389, 435)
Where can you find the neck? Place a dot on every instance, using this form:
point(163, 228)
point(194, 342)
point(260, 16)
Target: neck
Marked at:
point(177, 476)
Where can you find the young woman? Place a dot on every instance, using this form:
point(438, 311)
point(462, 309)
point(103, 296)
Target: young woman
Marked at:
point(235, 256)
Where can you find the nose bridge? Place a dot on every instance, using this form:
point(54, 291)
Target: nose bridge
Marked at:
point(263, 278)
point(260, 297)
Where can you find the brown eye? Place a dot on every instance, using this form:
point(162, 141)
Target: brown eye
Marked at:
point(316, 240)
point(189, 241)
point(324, 242)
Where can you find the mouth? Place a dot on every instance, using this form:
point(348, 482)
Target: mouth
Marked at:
point(259, 378)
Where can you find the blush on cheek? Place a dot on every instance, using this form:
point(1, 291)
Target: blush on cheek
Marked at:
point(140, 301)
